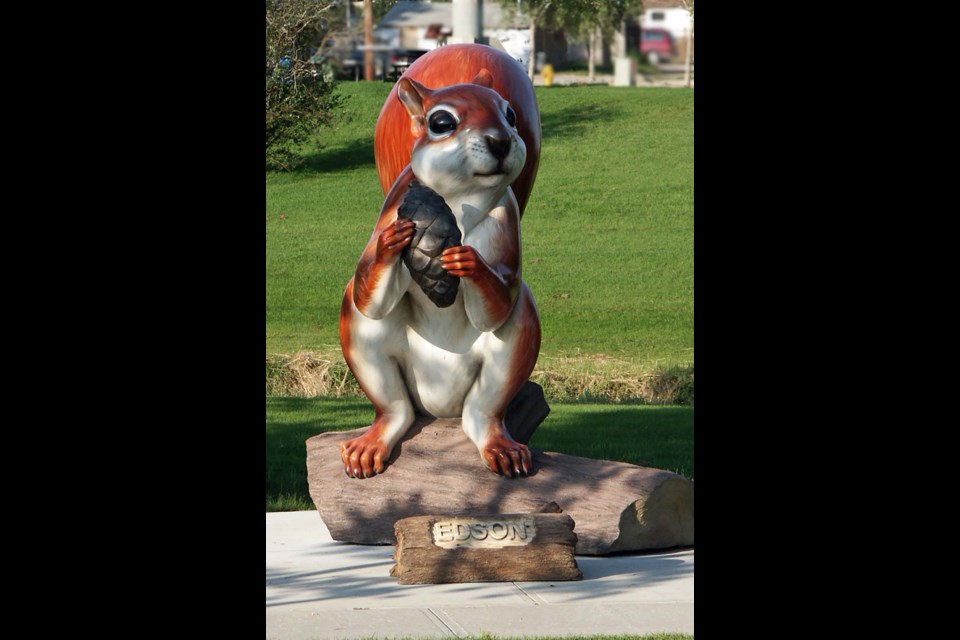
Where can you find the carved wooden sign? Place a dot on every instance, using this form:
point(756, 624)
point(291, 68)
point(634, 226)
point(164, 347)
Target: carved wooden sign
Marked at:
point(485, 548)
point(458, 533)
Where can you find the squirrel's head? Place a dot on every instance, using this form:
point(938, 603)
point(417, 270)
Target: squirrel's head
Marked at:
point(466, 136)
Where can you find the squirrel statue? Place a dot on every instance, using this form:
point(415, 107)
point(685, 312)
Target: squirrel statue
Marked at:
point(436, 319)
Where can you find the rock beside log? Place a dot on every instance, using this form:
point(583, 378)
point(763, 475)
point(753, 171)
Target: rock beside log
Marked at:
point(526, 411)
point(437, 470)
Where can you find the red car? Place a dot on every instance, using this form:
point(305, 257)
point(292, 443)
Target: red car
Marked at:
point(657, 45)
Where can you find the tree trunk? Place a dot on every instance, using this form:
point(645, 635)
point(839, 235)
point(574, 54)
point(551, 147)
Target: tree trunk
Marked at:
point(532, 68)
point(591, 52)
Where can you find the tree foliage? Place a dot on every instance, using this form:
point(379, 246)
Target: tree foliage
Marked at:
point(551, 14)
point(382, 8)
point(299, 97)
point(608, 15)
point(576, 16)
point(601, 18)
point(579, 18)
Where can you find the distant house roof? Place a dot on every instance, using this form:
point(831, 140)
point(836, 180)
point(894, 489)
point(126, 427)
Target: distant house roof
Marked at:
point(425, 14)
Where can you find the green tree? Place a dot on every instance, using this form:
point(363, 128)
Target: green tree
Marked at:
point(579, 18)
point(598, 20)
point(299, 97)
point(555, 14)
point(382, 8)
point(604, 18)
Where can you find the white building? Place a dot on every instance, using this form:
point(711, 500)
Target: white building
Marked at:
point(666, 14)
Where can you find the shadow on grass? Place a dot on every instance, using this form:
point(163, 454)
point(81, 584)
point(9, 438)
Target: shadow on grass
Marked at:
point(573, 121)
point(645, 435)
point(290, 422)
point(342, 157)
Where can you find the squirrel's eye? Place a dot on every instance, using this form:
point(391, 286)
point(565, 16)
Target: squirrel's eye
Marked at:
point(511, 117)
point(442, 122)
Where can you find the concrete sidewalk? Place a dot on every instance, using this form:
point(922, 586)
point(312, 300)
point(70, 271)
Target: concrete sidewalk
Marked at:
point(564, 79)
point(318, 589)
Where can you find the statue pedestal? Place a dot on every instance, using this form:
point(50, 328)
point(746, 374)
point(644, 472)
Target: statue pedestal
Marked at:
point(437, 470)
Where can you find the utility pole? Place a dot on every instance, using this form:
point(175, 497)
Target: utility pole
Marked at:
point(368, 39)
point(467, 20)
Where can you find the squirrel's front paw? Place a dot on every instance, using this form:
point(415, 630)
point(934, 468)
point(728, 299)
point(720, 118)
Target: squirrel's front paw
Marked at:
point(394, 238)
point(460, 261)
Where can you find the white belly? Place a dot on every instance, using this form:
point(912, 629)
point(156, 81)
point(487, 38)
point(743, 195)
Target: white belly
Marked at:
point(438, 380)
point(440, 371)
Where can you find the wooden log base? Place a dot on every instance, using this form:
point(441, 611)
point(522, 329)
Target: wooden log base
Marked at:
point(437, 470)
point(518, 547)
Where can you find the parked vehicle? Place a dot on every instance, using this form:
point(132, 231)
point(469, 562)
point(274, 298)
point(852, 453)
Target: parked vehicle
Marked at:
point(657, 45)
point(348, 63)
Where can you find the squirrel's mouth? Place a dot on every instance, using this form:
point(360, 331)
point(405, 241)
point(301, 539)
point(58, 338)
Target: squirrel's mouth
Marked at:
point(492, 173)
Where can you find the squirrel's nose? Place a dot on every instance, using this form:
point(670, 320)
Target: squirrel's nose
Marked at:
point(498, 147)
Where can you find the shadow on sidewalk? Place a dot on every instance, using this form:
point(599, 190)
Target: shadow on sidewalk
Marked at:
point(353, 579)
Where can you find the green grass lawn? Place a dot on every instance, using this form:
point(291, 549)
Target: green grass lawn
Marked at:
point(656, 436)
point(607, 237)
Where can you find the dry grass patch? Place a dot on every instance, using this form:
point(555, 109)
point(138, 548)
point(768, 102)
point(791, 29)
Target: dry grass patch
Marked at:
point(310, 374)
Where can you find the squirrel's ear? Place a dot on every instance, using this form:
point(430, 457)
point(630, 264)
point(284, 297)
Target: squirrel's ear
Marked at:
point(411, 94)
point(484, 79)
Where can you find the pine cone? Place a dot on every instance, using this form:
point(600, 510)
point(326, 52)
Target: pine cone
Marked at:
point(436, 231)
